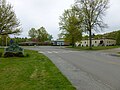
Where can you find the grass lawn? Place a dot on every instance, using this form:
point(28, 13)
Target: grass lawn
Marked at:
point(35, 72)
point(95, 48)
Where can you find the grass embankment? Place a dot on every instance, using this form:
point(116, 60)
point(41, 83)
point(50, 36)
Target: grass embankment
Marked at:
point(35, 72)
point(95, 48)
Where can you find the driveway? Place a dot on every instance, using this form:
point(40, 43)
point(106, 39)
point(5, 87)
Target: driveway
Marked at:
point(86, 70)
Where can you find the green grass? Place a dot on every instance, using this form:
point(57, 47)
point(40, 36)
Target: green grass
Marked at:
point(95, 48)
point(35, 72)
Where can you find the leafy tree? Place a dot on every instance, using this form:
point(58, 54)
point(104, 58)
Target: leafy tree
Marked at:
point(85, 37)
point(92, 12)
point(118, 38)
point(4, 39)
point(32, 33)
point(110, 35)
point(50, 37)
point(99, 36)
point(42, 34)
point(19, 40)
point(70, 26)
point(9, 24)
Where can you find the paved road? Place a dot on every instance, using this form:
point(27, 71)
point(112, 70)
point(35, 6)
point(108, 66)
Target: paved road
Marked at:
point(87, 70)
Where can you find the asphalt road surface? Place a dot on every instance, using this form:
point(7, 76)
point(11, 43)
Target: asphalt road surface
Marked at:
point(86, 70)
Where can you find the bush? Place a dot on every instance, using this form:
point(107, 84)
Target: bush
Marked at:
point(8, 54)
point(19, 54)
point(12, 54)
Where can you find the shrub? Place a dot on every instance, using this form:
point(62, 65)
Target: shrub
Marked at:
point(19, 54)
point(12, 54)
point(8, 54)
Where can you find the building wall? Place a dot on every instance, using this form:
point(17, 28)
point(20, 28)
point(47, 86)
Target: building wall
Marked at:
point(106, 42)
point(60, 43)
point(109, 42)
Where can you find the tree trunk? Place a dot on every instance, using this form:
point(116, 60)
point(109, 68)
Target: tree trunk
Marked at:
point(90, 38)
point(2, 41)
point(73, 43)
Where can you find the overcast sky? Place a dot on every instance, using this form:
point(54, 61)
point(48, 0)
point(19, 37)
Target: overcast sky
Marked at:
point(37, 13)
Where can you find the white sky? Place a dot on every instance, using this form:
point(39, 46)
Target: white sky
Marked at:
point(37, 13)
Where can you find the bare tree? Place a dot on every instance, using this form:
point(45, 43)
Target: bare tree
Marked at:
point(92, 12)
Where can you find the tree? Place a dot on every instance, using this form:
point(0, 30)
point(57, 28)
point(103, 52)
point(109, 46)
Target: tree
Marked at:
point(110, 35)
point(42, 34)
point(9, 24)
point(92, 12)
point(118, 38)
point(99, 36)
point(85, 37)
point(70, 26)
point(50, 37)
point(32, 33)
